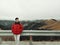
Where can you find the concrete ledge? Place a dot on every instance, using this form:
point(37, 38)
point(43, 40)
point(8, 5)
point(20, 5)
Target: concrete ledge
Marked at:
point(34, 43)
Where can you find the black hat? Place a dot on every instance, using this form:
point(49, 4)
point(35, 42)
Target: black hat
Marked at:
point(16, 18)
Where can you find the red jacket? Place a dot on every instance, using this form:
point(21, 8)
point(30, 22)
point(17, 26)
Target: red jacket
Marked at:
point(17, 28)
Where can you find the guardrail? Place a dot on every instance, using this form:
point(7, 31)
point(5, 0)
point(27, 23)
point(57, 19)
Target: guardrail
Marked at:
point(32, 32)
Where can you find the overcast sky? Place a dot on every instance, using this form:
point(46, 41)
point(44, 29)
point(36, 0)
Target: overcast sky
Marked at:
point(29, 9)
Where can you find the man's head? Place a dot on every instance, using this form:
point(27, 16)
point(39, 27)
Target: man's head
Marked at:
point(17, 19)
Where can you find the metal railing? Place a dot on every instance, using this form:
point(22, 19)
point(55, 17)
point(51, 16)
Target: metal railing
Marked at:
point(32, 33)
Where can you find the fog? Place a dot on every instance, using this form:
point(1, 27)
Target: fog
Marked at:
point(29, 9)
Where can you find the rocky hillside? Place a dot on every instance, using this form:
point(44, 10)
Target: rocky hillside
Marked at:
point(51, 24)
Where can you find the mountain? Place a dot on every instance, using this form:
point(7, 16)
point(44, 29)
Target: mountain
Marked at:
point(51, 24)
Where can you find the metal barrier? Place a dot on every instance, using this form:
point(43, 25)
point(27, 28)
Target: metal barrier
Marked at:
point(32, 33)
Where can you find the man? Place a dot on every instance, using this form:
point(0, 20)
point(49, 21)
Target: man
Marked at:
point(17, 29)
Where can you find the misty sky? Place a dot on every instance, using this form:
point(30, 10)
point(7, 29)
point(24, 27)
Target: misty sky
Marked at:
point(29, 9)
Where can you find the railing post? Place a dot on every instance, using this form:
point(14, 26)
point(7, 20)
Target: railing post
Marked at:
point(0, 40)
point(30, 43)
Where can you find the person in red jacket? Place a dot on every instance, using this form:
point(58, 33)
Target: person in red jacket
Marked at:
point(17, 29)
